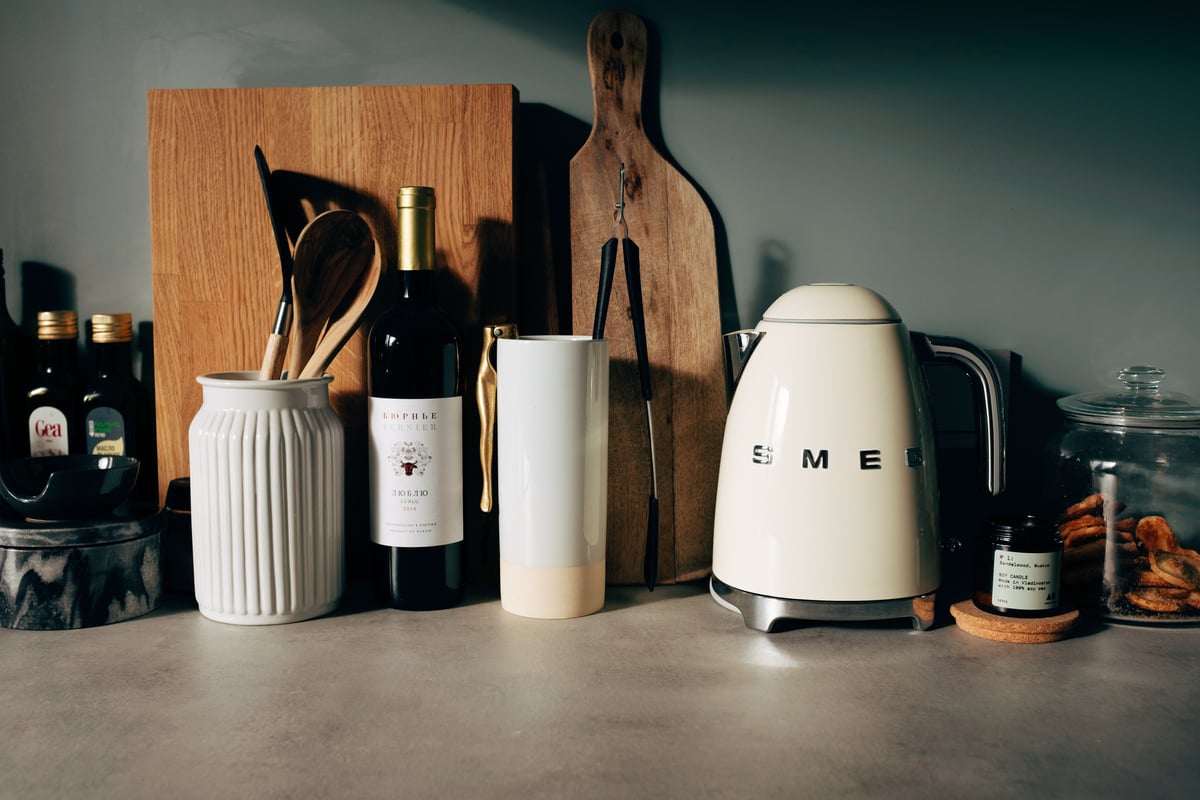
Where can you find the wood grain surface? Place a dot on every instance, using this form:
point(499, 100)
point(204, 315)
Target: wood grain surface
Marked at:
point(671, 224)
point(215, 268)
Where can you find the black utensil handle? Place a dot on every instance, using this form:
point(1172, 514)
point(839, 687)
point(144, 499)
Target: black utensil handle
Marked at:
point(633, 277)
point(608, 265)
point(650, 565)
point(281, 242)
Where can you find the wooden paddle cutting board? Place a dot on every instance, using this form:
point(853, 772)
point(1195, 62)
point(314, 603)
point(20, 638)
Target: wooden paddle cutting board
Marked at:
point(671, 224)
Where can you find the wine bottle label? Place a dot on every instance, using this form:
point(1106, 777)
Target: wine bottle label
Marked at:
point(48, 432)
point(105, 432)
point(416, 471)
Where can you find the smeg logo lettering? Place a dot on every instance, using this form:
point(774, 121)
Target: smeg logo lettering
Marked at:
point(867, 459)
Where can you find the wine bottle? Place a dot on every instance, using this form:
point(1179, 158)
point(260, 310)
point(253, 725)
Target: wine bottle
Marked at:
point(415, 409)
point(52, 402)
point(107, 409)
point(14, 379)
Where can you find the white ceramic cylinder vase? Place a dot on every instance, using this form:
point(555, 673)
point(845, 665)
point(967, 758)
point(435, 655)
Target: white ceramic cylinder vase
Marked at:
point(552, 456)
point(267, 461)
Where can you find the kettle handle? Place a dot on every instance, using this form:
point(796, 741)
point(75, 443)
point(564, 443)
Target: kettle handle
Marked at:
point(989, 396)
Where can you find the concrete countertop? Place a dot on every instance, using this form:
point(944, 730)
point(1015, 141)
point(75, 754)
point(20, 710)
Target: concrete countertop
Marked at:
point(663, 694)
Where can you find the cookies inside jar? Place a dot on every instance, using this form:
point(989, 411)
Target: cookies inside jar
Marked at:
point(1126, 564)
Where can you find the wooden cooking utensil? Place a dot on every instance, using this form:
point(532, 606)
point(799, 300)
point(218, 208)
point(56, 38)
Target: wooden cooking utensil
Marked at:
point(672, 225)
point(345, 318)
point(332, 254)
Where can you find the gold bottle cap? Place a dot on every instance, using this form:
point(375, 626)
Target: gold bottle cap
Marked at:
point(415, 197)
point(57, 325)
point(112, 327)
point(415, 231)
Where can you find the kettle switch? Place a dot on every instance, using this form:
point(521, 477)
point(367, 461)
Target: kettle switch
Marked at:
point(913, 457)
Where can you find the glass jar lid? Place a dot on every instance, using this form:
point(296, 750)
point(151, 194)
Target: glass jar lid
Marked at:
point(1141, 404)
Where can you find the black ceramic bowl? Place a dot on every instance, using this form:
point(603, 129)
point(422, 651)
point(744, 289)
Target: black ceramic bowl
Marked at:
point(67, 487)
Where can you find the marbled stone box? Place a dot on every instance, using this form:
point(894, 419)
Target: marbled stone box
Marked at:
point(57, 575)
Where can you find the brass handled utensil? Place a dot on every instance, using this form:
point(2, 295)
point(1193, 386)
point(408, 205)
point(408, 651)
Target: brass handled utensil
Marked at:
point(485, 399)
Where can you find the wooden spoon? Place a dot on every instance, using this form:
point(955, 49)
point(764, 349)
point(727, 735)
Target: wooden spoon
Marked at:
point(332, 254)
point(345, 319)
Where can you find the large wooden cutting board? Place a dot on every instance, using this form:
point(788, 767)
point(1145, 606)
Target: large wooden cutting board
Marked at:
point(670, 222)
point(215, 271)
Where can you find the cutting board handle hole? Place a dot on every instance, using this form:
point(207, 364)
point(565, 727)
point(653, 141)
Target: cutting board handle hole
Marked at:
point(617, 41)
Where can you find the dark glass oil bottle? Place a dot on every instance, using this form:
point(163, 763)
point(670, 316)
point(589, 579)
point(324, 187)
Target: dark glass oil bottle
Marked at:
point(107, 409)
point(414, 409)
point(52, 402)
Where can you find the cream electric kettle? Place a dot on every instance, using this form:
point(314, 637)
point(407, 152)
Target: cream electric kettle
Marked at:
point(827, 501)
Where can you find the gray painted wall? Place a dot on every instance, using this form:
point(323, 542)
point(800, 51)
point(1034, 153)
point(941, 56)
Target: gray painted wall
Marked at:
point(1023, 175)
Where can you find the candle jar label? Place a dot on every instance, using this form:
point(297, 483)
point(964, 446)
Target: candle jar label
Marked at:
point(1025, 581)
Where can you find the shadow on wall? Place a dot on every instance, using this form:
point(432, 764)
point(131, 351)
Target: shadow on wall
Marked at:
point(1085, 105)
point(44, 287)
point(652, 125)
point(548, 139)
point(775, 268)
point(771, 44)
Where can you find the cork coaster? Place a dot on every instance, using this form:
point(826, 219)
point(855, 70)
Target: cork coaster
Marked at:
point(1017, 630)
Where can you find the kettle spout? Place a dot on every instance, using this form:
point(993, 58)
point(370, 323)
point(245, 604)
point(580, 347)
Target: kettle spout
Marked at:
point(739, 345)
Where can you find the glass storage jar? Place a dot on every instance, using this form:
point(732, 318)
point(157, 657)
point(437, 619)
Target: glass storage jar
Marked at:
point(1128, 500)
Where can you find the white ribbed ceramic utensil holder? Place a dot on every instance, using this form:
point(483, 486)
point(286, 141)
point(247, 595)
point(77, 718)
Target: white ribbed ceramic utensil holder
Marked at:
point(267, 461)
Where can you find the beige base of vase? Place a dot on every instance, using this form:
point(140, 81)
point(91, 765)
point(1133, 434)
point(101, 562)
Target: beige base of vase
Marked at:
point(551, 592)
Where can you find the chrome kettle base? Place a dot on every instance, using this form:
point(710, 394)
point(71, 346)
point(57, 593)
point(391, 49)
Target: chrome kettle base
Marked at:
point(762, 613)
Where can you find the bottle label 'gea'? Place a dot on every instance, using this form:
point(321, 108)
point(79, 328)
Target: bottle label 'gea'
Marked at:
point(48, 432)
point(416, 471)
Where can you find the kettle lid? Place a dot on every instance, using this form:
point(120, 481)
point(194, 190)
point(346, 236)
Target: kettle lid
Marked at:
point(831, 302)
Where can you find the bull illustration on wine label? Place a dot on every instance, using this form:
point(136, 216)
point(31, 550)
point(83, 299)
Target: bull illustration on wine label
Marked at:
point(409, 458)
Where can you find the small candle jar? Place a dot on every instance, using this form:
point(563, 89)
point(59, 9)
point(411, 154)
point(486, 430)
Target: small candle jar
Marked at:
point(1018, 564)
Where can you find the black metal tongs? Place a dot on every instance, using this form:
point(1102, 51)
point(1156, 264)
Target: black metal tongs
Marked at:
point(633, 281)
